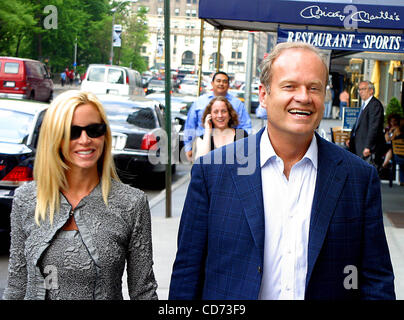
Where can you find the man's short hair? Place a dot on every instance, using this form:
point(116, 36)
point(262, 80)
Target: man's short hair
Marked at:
point(266, 65)
point(220, 72)
point(371, 86)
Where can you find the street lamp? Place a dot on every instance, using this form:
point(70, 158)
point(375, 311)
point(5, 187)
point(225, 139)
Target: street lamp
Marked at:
point(114, 10)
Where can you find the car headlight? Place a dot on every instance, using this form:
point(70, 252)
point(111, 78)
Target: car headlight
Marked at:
point(118, 140)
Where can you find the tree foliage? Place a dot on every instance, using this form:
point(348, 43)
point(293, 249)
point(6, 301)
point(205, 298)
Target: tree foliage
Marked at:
point(394, 106)
point(23, 32)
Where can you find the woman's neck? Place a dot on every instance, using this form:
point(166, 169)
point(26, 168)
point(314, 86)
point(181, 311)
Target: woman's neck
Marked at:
point(80, 184)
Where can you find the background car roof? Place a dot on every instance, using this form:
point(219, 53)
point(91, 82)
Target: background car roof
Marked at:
point(30, 107)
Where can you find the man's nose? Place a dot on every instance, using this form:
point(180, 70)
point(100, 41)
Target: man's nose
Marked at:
point(303, 95)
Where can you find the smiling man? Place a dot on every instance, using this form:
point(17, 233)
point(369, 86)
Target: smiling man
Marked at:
point(306, 224)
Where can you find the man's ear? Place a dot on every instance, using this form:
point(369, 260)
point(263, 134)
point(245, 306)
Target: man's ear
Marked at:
point(262, 93)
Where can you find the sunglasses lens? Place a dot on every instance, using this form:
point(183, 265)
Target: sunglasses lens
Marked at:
point(96, 130)
point(75, 132)
point(93, 131)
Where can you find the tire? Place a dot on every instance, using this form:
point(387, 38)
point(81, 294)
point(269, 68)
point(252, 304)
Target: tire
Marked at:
point(50, 97)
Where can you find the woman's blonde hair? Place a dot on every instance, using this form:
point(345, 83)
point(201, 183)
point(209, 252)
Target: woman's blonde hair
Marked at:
point(53, 150)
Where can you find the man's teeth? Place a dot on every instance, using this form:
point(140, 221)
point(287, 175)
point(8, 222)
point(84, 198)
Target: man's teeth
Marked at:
point(300, 112)
point(85, 152)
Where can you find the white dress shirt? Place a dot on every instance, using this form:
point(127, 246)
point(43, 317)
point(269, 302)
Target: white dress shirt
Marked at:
point(287, 207)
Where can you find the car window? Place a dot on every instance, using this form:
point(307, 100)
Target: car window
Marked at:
point(140, 117)
point(14, 126)
point(96, 74)
point(157, 82)
point(115, 76)
point(193, 82)
point(143, 118)
point(11, 67)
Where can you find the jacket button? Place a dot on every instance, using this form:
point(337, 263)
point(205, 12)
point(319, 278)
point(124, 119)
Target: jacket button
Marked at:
point(259, 269)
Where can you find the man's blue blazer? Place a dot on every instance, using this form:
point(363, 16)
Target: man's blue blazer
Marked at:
point(221, 235)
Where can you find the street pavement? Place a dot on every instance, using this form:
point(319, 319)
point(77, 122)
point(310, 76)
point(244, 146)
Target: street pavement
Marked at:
point(165, 230)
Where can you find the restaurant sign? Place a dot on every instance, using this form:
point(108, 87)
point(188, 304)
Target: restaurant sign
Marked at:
point(353, 41)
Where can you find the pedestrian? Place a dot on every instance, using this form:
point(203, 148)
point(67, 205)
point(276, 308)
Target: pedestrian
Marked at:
point(343, 102)
point(367, 134)
point(63, 78)
point(193, 124)
point(392, 131)
point(77, 79)
point(220, 121)
point(287, 215)
point(328, 103)
point(73, 228)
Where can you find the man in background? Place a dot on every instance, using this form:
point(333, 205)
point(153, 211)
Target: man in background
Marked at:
point(367, 135)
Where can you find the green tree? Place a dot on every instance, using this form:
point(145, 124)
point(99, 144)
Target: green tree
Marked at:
point(394, 106)
point(17, 22)
point(134, 37)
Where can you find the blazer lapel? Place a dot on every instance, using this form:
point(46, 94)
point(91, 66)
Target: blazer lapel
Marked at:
point(330, 181)
point(247, 179)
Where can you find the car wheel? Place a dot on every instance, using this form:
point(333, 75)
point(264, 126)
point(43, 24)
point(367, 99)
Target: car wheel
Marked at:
point(50, 97)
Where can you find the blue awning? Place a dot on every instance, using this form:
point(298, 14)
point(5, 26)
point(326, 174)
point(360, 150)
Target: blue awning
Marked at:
point(387, 16)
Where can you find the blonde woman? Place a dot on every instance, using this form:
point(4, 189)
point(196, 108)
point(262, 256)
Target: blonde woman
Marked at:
point(219, 121)
point(75, 226)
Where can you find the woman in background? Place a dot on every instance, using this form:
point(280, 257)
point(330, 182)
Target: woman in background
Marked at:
point(219, 121)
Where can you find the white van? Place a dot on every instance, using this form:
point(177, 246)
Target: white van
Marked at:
point(108, 79)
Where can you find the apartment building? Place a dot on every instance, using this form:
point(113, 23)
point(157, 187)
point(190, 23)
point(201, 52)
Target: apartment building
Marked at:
point(185, 29)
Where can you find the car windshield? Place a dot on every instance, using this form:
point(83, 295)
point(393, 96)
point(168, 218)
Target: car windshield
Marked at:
point(14, 126)
point(157, 82)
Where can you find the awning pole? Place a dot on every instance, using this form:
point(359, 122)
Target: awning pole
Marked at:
point(167, 111)
point(218, 51)
point(200, 58)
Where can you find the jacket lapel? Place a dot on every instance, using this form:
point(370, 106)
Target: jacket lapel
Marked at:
point(330, 181)
point(247, 180)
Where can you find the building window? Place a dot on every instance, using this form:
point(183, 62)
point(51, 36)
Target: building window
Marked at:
point(159, 11)
point(236, 55)
point(177, 12)
point(193, 12)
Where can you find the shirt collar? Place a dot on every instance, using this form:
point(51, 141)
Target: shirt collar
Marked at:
point(367, 101)
point(211, 95)
point(267, 152)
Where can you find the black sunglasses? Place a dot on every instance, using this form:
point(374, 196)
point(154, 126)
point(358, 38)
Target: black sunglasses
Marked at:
point(93, 130)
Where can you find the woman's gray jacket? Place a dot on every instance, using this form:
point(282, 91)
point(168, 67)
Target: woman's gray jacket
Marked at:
point(112, 235)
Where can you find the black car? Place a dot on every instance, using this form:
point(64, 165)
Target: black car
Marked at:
point(139, 138)
point(19, 130)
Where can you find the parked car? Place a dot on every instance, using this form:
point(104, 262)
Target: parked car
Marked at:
point(19, 130)
point(179, 103)
point(107, 79)
point(25, 79)
point(138, 129)
point(254, 98)
point(189, 87)
point(156, 85)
